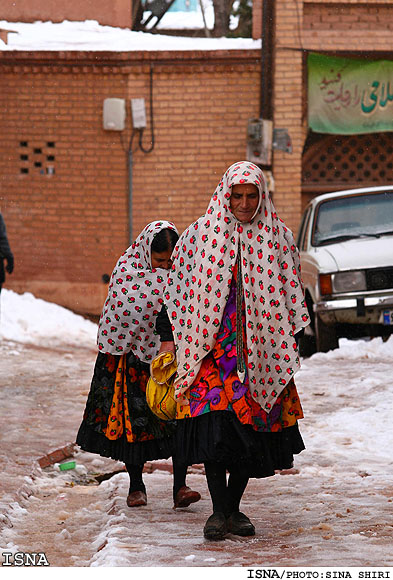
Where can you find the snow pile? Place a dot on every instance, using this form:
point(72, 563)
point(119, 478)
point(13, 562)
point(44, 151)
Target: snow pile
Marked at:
point(30, 320)
point(347, 400)
point(350, 349)
point(91, 36)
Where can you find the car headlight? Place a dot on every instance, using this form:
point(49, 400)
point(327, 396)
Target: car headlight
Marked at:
point(349, 281)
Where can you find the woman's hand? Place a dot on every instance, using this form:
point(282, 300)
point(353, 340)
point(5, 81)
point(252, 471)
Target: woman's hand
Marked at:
point(167, 346)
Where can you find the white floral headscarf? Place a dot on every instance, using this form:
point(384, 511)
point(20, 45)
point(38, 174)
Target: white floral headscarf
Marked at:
point(200, 280)
point(135, 297)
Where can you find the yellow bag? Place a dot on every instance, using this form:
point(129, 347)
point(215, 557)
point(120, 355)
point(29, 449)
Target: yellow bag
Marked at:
point(160, 392)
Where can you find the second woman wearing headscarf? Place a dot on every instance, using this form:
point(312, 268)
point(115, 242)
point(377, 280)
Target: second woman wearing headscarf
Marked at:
point(117, 421)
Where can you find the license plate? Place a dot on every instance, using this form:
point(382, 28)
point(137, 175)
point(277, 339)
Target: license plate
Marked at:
point(388, 317)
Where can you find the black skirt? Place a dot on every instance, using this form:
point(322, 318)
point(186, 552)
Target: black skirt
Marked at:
point(120, 449)
point(218, 436)
point(154, 439)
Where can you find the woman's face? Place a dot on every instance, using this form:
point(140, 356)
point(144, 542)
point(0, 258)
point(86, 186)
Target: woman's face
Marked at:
point(161, 259)
point(244, 201)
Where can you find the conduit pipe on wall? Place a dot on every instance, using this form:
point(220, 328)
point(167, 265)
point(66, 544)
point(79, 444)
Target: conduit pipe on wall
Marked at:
point(267, 59)
point(130, 159)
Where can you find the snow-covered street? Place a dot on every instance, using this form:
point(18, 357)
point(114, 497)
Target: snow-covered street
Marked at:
point(333, 509)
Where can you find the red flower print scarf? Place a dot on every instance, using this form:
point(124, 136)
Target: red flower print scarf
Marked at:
point(135, 296)
point(199, 283)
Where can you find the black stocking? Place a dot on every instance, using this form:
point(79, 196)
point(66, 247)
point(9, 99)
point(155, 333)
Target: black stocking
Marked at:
point(237, 484)
point(136, 481)
point(216, 476)
point(179, 476)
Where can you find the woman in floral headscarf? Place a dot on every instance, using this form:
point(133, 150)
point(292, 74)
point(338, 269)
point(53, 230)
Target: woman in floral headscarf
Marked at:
point(235, 302)
point(117, 421)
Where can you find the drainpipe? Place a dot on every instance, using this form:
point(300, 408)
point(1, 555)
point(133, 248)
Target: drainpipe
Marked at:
point(267, 59)
point(130, 161)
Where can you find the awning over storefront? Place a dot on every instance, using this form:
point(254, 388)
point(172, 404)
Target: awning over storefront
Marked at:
point(348, 97)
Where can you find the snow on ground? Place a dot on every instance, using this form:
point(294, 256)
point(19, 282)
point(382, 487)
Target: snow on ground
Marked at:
point(30, 320)
point(333, 509)
point(91, 36)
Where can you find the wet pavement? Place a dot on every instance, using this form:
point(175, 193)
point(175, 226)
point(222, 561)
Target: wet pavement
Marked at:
point(315, 515)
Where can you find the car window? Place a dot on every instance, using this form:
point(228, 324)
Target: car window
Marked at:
point(353, 216)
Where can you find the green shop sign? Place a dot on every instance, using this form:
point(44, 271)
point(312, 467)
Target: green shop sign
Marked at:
point(348, 97)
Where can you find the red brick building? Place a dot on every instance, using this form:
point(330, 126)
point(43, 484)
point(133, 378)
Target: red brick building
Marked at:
point(113, 13)
point(64, 189)
point(359, 29)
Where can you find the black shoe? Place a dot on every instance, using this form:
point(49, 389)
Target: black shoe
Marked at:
point(240, 525)
point(216, 527)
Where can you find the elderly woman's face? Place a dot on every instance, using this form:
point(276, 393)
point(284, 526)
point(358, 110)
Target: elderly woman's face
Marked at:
point(244, 201)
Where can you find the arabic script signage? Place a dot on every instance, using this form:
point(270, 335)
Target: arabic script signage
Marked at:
point(348, 97)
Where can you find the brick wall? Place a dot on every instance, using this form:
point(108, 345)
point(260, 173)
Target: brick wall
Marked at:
point(348, 26)
point(67, 228)
point(288, 105)
point(113, 13)
point(63, 179)
point(317, 17)
point(319, 25)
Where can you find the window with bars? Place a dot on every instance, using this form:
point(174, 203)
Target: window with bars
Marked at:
point(337, 161)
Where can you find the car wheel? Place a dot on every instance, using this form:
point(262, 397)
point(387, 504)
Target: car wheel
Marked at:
point(326, 336)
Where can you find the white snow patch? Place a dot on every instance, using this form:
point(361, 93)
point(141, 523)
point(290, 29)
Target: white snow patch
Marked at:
point(30, 320)
point(89, 35)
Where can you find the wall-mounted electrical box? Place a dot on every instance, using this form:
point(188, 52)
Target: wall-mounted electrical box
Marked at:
point(259, 141)
point(138, 113)
point(114, 114)
point(282, 140)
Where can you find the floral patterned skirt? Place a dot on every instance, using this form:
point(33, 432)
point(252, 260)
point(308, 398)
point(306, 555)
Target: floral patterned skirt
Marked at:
point(117, 421)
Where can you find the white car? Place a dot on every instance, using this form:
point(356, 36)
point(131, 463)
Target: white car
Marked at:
point(346, 248)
